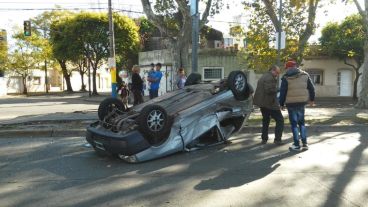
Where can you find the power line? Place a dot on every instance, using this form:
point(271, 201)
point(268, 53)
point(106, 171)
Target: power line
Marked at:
point(57, 9)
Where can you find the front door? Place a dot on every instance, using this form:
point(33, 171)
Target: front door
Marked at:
point(345, 82)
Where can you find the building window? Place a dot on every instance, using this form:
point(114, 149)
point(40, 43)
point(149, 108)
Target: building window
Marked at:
point(316, 76)
point(36, 81)
point(213, 73)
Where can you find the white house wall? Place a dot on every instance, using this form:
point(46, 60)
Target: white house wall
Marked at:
point(103, 81)
point(330, 68)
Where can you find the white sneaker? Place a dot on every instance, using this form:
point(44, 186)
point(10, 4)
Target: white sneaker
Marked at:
point(294, 148)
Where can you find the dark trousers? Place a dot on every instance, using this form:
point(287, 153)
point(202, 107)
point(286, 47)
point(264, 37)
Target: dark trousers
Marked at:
point(296, 117)
point(138, 98)
point(153, 93)
point(267, 114)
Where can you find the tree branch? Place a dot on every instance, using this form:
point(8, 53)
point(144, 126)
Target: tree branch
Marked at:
point(360, 9)
point(155, 19)
point(351, 65)
point(205, 15)
point(304, 37)
point(272, 14)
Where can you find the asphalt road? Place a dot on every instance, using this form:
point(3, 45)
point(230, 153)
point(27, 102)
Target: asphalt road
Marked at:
point(62, 172)
point(24, 109)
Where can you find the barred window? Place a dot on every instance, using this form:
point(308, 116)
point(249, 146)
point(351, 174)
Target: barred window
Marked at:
point(316, 75)
point(213, 73)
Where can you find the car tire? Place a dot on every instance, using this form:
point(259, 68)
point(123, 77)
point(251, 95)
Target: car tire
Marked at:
point(193, 78)
point(237, 82)
point(155, 124)
point(107, 105)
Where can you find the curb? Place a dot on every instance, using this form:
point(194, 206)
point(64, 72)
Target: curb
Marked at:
point(42, 133)
point(48, 121)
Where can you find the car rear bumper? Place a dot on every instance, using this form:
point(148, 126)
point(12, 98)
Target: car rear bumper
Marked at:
point(119, 144)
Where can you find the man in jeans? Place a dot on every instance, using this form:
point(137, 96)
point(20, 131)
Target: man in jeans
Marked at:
point(295, 91)
point(265, 97)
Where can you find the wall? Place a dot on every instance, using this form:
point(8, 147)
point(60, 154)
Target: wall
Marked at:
point(103, 81)
point(330, 68)
point(3, 88)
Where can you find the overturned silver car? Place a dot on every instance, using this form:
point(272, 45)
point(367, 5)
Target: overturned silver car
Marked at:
point(200, 115)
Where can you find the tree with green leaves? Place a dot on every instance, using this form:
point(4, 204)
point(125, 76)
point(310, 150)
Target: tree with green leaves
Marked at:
point(260, 35)
point(298, 22)
point(3, 51)
point(25, 57)
point(53, 22)
point(345, 41)
point(86, 35)
point(303, 10)
point(363, 96)
point(173, 19)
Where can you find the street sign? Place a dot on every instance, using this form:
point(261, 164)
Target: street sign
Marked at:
point(283, 40)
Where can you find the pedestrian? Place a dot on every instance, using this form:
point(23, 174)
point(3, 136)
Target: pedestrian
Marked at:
point(181, 78)
point(154, 80)
point(144, 85)
point(123, 91)
point(149, 76)
point(295, 92)
point(137, 85)
point(266, 98)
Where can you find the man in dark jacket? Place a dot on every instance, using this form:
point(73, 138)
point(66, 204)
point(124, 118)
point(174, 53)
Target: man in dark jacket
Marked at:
point(295, 92)
point(266, 98)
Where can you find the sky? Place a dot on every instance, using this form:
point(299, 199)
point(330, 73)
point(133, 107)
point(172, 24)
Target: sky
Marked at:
point(14, 12)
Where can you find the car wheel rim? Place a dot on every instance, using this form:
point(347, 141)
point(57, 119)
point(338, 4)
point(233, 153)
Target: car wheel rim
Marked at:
point(239, 82)
point(155, 120)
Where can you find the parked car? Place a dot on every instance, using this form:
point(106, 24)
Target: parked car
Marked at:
point(202, 114)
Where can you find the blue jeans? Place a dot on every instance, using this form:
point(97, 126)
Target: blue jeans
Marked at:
point(296, 117)
point(153, 93)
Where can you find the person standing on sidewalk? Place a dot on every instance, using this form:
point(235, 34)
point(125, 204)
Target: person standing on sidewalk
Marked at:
point(295, 92)
point(266, 98)
point(181, 78)
point(137, 85)
point(155, 79)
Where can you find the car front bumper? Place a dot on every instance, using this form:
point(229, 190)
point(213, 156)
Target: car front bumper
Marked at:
point(115, 143)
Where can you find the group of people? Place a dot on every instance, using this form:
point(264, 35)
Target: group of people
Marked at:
point(138, 83)
point(295, 92)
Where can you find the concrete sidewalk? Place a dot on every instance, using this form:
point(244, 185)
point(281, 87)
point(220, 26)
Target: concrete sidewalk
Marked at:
point(329, 112)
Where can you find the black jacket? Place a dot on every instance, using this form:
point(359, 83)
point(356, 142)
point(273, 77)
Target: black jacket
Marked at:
point(137, 82)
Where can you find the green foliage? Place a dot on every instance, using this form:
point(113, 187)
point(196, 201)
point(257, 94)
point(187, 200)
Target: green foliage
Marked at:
point(345, 40)
point(3, 51)
point(261, 34)
point(85, 34)
point(25, 56)
point(237, 31)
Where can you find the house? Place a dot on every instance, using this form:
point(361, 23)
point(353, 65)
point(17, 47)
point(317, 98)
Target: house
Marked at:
point(332, 78)
point(12, 83)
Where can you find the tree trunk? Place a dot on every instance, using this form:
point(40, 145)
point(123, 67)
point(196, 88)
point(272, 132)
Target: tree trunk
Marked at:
point(363, 98)
point(309, 29)
point(66, 75)
point(94, 73)
point(83, 87)
point(24, 80)
point(355, 90)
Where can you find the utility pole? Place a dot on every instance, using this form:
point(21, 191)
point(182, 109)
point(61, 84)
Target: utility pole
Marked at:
point(112, 62)
point(46, 82)
point(279, 36)
point(195, 33)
